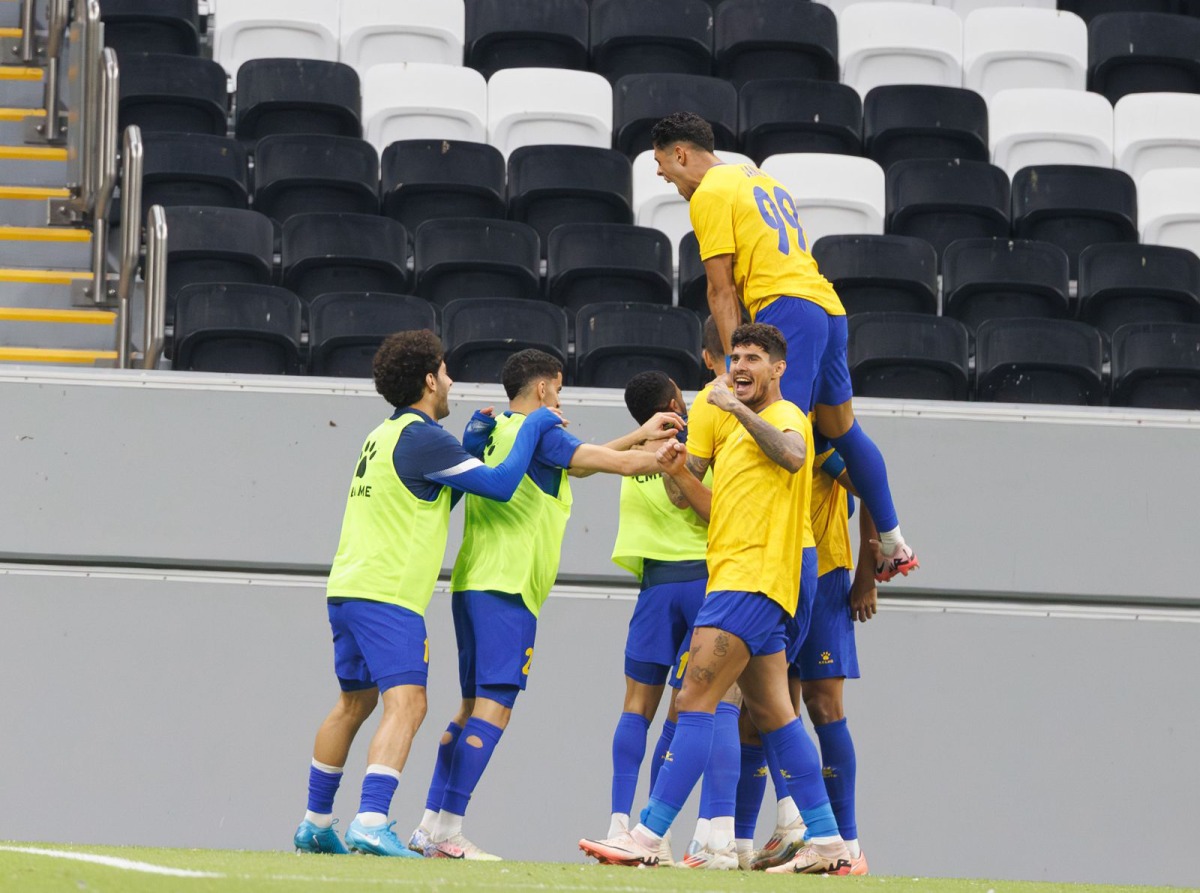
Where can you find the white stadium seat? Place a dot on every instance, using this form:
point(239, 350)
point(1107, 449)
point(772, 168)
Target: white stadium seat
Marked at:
point(256, 29)
point(1050, 126)
point(375, 32)
point(1155, 130)
point(834, 194)
point(420, 100)
point(839, 6)
point(965, 7)
point(1169, 207)
point(899, 43)
point(1005, 49)
point(540, 106)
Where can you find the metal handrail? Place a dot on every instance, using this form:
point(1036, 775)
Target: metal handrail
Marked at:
point(132, 163)
point(27, 49)
point(90, 124)
point(156, 287)
point(56, 22)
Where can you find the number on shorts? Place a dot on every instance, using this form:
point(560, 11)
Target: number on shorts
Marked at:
point(780, 215)
point(683, 661)
point(528, 661)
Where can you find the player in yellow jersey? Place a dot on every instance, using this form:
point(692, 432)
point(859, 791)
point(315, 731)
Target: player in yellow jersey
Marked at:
point(755, 255)
point(756, 510)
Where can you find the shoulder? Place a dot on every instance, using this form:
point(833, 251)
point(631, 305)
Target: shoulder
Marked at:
point(787, 415)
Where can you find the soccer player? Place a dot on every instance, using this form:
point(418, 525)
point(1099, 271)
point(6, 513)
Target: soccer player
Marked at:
point(755, 254)
point(762, 481)
point(388, 558)
point(503, 575)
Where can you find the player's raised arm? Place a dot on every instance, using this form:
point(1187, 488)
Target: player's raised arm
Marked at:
point(465, 472)
point(683, 483)
point(785, 448)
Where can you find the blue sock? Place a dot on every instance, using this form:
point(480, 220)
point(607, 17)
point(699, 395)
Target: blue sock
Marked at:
point(322, 787)
point(777, 779)
point(628, 750)
point(869, 474)
point(801, 765)
point(682, 767)
point(468, 764)
point(660, 750)
point(837, 756)
point(441, 768)
point(752, 784)
point(718, 791)
point(377, 791)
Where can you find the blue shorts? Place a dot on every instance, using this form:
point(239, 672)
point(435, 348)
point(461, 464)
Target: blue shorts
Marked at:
point(758, 621)
point(495, 634)
point(809, 591)
point(660, 628)
point(376, 644)
point(829, 651)
point(817, 370)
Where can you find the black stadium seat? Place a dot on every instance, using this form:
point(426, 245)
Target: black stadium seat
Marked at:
point(615, 341)
point(180, 94)
point(302, 173)
point(693, 282)
point(1156, 366)
point(526, 33)
point(650, 36)
point(325, 253)
point(481, 335)
point(426, 179)
point(193, 169)
point(345, 329)
point(151, 26)
point(1089, 9)
point(908, 355)
point(756, 39)
point(1074, 206)
point(880, 273)
point(921, 121)
point(641, 100)
point(781, 115)
point(297, 96)
point(1126, 283)
point(942, 200)
point(1038, 361)
point(1143, 52)
point(252, 329)
point(986, 279)
point(473, 257)
point(589, 263)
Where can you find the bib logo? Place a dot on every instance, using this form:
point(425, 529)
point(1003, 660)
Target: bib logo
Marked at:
point(367, 453)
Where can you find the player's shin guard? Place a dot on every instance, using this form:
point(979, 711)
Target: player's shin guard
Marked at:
point(441, 768)
point(628, 750)
point(752, 783)
point(379, 784)
point(837, 758)
point(661, 749)
point(869, 473)
point(682, 767)
point(469, 761)
point(801, 766)
point(718, 792)
point(323, 782)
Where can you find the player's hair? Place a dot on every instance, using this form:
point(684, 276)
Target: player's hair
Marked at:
point(682, 127)
point(526, 367)
point(401, 364)
point(712, 340)
point(762, 335)
point(648, 393)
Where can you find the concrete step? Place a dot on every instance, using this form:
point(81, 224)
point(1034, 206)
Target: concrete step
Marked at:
point(41, 289)
point(49, 247)
point(20, 86)
point(13, 122)
point(58, 329)
point(57, 356)
point(33, 165)
point(27, 205)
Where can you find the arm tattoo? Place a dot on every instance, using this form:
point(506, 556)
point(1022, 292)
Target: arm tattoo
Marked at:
point(697, 467)
point(785, 448)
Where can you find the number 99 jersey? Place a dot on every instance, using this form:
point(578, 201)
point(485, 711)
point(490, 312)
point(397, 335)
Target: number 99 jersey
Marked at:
point(739, 210)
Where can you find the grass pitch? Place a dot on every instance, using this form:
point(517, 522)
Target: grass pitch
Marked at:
point(143, 870)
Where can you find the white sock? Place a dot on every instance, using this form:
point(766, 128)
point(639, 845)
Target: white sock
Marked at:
point(321, 820)
point(371, 819)
point(380, 769)
point(890, 541)
point(826, 841)
point(854, 848)
point(786, 812)
point(702, 832)
point(428, 821)
point(325, 767)
point(618, 823)
point(448, 824)
point(745, 847)
point(646, 837)
point(721, 834)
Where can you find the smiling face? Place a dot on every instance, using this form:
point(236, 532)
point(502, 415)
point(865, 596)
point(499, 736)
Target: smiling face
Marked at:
point(755, 375)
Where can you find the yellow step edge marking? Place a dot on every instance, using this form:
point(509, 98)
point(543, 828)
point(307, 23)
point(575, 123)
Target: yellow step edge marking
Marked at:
point(43, 234)
point(32, 153)
point(11, 32)
point(21, 114)
point(53, 355)
point(19, 73)
point(32, 193)
point(44, 277)
point(37, 314)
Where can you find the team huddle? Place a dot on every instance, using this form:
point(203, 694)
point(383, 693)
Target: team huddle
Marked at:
point(734, 516)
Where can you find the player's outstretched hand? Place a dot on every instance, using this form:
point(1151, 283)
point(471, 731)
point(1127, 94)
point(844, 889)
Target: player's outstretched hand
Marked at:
point(672, 457)
point(721, 395)
point(660, 426)
point(545, 418)
point(864, 601)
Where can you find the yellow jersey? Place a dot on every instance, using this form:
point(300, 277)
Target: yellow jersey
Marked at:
point(759, 512)
point(739, 210)
point(830, 520)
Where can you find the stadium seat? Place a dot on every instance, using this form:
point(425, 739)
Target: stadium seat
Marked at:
point(248, 329)
point(298, 174)
point(1089, 9)
point(1125, 283)
point(1143, 52)
point(375, 32)
point(641, 100)
point(420, 101)
point(345, 329)
point(615, 341)
point(193, 169)
point(760, 39)
point(659, 37)
point(471, 257)
point(1050, 126)
point(1006, 48)
point(986, 279)
point(151, 26)
point(693, 283)
point(1074, 206)
point(590, 263)
point(428, 179)
point(552, 185)
point(833, 193)
point(526, 33)
point(778, 116)
point(261, 29)
point(1038, 361)
point(173, 94)
point(325, 253)
point(1156, 130)
point(965, 7)
point(481, 335)
point(541, 106)
point(880, 273)
point(1156, 366)
point(919, 121)
point(908, 356)
point(899, 43)
point(297, 96)
point(840, 6)
point(1169, 209)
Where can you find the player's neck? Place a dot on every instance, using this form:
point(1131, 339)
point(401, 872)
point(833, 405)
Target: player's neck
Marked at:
point(524, 405)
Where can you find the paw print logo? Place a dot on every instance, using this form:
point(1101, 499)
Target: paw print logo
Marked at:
point(826, 657)
point(490, 446)
point(367, 453)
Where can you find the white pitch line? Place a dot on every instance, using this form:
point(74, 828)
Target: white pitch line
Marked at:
point(112, 862)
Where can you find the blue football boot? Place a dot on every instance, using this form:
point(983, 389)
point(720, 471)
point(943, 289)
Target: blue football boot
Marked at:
point(311, 838)
point(377, 840)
